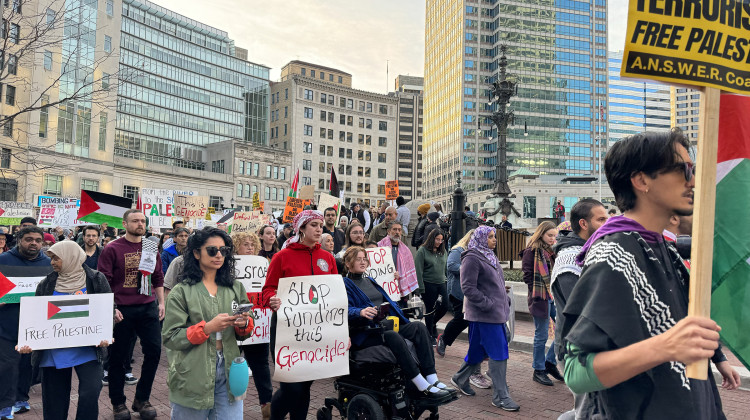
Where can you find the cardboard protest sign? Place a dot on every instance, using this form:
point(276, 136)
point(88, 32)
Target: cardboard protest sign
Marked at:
point(326, 200)
point(391, 190)
point(54, 322)
point(256, 201)
point(251, 272)
point(193, 207)
point(12, 212)
point(383, 270)
point(60, 212)
point(294, 206)
point(307, 192)
point(694, 45)
point(19, 281)
point(249, 221)
point(312, 329)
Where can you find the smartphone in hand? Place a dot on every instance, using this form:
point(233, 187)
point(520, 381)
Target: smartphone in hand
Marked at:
point(241, 309)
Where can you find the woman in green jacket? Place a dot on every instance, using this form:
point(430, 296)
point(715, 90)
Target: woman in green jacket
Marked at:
point(201, 331)
point(431, 262)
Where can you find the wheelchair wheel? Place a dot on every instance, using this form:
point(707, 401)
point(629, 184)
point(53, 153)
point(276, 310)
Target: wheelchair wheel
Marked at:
point(324, 413)
point(364, 407)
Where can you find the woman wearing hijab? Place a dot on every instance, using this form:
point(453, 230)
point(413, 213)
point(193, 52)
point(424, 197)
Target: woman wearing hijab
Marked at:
point(486, 307)
point(301, 256)
point(536, 264)
point(70, 277)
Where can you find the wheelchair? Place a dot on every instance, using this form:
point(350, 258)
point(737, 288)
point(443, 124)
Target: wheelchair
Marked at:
point(376, 388)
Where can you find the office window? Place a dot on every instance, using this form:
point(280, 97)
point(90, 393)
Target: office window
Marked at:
point(15, 33)
point(50, 16)
point(268, 171)
point(48, 60)
point(360, 171)
point(90, 184)
point(381, 173)
point(350, 120)
point(323, 98)
point(348, 153)
point(105, 81)
point(368, 123)
point(217, 166)
point(247, 190)
point(286, 93)
point(341, 155)
point(308, 130)
point(239, 190)
point(303, 71)
point(349, 137)
point(330, 117)
point(256, 169)
point(322, 150)
point(53, 184)
point(306, 147)
point(306, 164)
point(322, 133)
point(286, 112)
point(362, 105)
point(306, 180)
point(382, 141)
point(331, 99)
point(8, 128)
point(329, 151)
point(342, 119)
point(383, 109)
point(368, 156)
point(322, 165)
point(10, 95)
point(5, 158)
point(361, 123)
point(383, 125)
point(275, 172)
point(323, 115)
point(12, 64)
point(350, 103)
point(107, 43)
point(381, 189)
point(309, 94)
point(342, 102)
point(368, 140)
point(267, 193)
point(110, 7)
point(341, 79)
point(282, 173)
point(330, 134)
point(342, 136)
point(381, 158)
point(312, 73)
point(242, 167)
point(102, 131)
point(285, 131)
point(369, 107)
point(321, 183)
point(361, 155)
point(361, 138)
point(308, 113)
point(44, 116)
point(330, 78)
point(322, 75)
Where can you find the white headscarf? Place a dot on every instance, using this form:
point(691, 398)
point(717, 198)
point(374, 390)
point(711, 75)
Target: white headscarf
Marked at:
point(71, 277)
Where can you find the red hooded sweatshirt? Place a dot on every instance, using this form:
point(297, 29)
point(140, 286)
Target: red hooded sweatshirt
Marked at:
point(293, 261)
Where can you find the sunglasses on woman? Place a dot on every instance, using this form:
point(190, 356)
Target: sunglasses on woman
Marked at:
point(213, 250)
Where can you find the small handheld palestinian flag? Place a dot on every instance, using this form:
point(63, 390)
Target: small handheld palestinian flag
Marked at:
point(18, 281)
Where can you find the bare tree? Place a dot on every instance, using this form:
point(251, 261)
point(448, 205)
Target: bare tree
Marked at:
point(51, 65)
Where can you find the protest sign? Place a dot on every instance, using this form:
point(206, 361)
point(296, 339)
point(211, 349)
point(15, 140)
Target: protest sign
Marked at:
point(60, 212)
point(326, 201)
point(256, 201)
point(705, 43)
point(12, 212)
point(192, 207)
point(312, 329)
point(294, 206)
point(66, 321)
point(383, 270)
point(251, 272)
point(307, 192)
point(19, 281)
point(249, 221)
point(391, 190)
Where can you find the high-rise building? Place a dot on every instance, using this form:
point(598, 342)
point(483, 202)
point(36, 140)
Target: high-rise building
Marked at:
point(326, 124)
point(557, 53)
point(686, 104)
point(409, 91)
point(635, 106)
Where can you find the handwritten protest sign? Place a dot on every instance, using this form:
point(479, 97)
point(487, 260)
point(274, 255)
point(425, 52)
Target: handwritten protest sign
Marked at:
point(19, 281)
point(193, 207)
point(65, 321)
point(249, 221)
point(158, 206)
point(256, 201)
point(683, 45)
point(307, 192)
point(383, 270)
point(251, 272)
point(312, 329)
point(391, 190)
point(12, 212)
point(294, 206)
point(60, 212)
point(326, 201)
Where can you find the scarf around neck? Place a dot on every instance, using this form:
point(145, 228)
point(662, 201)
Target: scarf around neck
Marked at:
point(478, 241)
point(407, 282)
point(71, 278)
point(540, 287)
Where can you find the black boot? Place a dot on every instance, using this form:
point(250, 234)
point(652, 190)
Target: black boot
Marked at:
point(553, 371)
point(541, 377)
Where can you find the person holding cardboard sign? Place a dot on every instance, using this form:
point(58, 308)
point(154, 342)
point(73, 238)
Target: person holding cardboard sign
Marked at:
point(301, 256)
point(71, 277)
point(202, 327)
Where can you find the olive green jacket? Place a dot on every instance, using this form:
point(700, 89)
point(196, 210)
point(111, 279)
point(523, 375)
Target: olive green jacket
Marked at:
point(191, 375)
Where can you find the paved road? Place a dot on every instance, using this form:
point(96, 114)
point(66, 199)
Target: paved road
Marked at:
point(537, 401)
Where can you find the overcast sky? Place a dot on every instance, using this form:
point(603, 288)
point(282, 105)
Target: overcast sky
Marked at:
point(356, 36)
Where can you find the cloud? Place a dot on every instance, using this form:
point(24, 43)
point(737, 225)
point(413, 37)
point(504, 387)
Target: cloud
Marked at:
point(617, 19)
point(357, 37)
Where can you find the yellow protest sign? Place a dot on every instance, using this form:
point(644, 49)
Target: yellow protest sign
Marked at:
point(256, 201)
point(701, 42)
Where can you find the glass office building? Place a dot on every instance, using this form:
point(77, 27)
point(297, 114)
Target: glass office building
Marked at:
point(182, 88)
point(635, 106)
point(557, 52)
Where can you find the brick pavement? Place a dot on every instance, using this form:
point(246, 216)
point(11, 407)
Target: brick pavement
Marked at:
point(536, 401)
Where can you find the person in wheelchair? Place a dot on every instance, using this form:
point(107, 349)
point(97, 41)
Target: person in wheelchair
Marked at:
point(365, 299)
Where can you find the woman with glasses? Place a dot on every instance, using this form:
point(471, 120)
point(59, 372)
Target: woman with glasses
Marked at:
point(301, 256)
point(201, 329)
point(355, 236)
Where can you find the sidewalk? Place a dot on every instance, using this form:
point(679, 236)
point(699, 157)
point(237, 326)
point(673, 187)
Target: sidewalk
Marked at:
point(523, 340)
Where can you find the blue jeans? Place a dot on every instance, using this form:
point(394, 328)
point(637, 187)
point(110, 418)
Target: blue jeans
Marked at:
point(222, 409)
point(541, 332)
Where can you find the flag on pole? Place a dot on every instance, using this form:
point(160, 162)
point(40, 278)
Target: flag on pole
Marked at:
point(730, 290)
point(295, 185)
point(334, 187)
point(101, 208)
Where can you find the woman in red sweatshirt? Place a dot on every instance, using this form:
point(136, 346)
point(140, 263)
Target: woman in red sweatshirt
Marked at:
point(301, 256)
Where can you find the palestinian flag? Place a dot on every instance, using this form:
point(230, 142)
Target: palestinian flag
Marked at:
point(62, 309)
point(334, 184)
point(19, 281)
point(731, 261)
point(295, 185)
point(98, 208)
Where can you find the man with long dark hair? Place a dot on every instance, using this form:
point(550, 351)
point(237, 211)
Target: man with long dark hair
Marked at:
point(627, 336)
